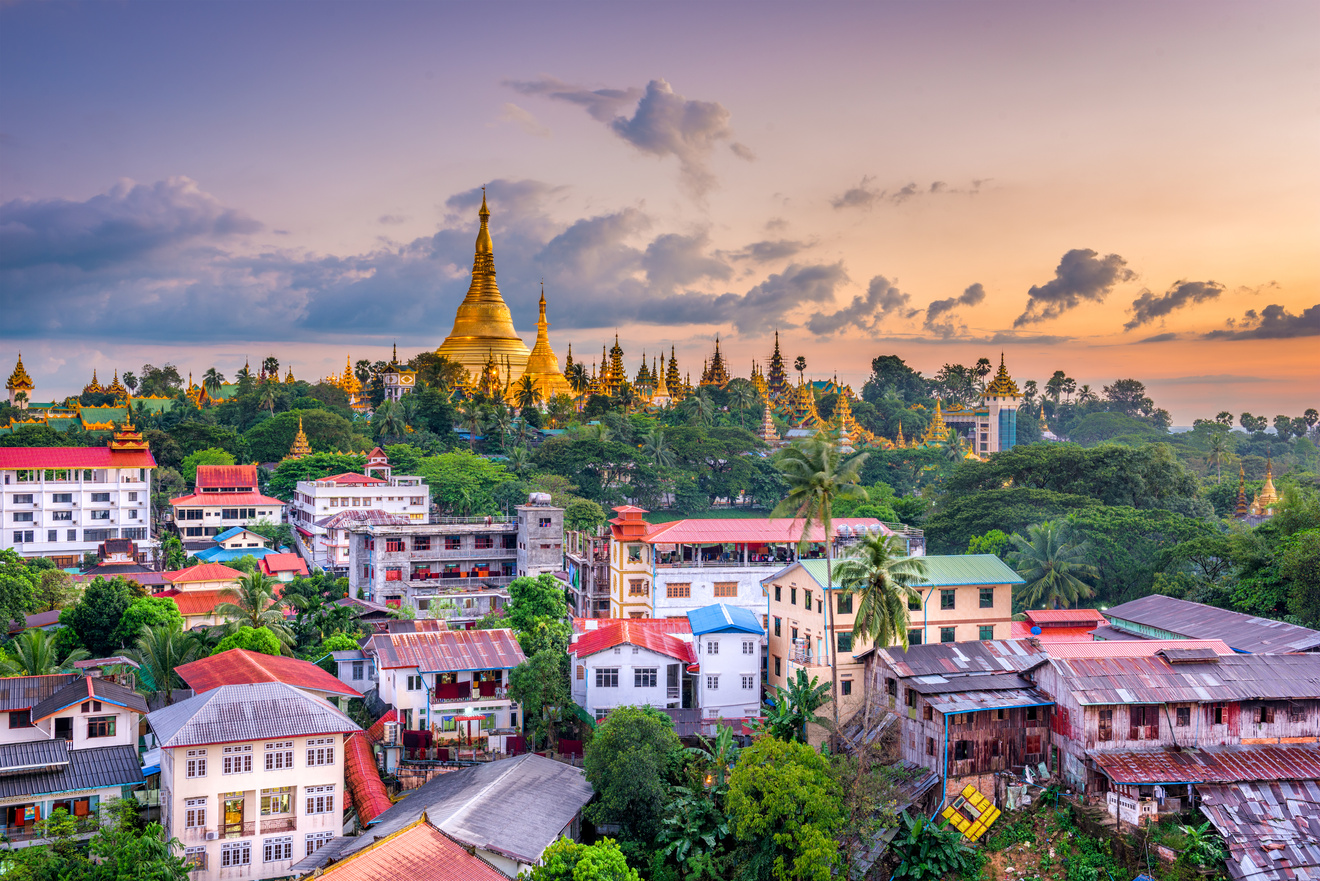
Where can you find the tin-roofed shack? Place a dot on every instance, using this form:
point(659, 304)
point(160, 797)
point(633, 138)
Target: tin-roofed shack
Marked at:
point(1163, 617)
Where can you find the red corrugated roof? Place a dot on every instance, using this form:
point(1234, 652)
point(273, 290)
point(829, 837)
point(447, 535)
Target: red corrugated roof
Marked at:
point(272, 563)
point(226, 499)
point(1022, 630)
point(197, 602)
point(351, 478)
point(203, 572)
point(417, 851)
point(226, 475)
point(363, 777)
point(778, 530)
point(376, 733)
point(74, 457)
point(1066, 617)
point(1136, 648)
point(660, 625)
point(623, 633)
point(449, 650)
point(1237, 763)
point(242, 667)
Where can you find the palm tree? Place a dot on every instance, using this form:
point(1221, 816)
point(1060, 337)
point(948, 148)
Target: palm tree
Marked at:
point(626, 396)
point(800, 365)
point(266, 396)
point(794, 707)
point(817, 477)
point(527, 393)
point(560, 409)
point(720, 754)
point(388, 421)
point(254, 604)
point(519, 459)
point(577, 377)
point(33, 653)
point(1221, 447)
point(1085, 395)
point(271, 365)
point(1054, 568)
point(698, 407)
point(655, 448)
point(885, 579)
point(161, 650)
point(408, 409)
point(742, 394)
point(130, 380)
point(362, 370)
point(212, 381)
point(499, 417)
point(469, 414)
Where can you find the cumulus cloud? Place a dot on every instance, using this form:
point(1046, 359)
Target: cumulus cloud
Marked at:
point(867, 195)
point(941, 317)
point(882, 301)
point(663, 124)
point(128, 222)
point(1151, 306)
point(524, 120)
point(1274, 322)
point(1082, 274)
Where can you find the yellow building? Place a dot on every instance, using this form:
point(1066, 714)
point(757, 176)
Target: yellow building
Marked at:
point(630, 564)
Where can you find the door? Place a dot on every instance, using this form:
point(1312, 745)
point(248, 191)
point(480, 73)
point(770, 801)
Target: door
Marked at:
point(672, 688)
point(64, 727)
point(233, 816)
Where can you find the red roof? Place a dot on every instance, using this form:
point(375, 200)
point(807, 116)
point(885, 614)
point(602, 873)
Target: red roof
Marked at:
point(627, 633)
point(74, 457)
point(376, 733)
point(192, 603)
point(444, 651)
point(1065, 617)
point(351, 478)
point(363, 777)
point(680, 624)
point(778, 530)
point(1135, 648)
point(418, 850)
point(226, 475)
point(1022, 630)
point(226, 499)
point(203, 572)
point(1237, 763)
point(272, 563)
point(242, 667)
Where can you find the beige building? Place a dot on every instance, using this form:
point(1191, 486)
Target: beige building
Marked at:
point(252, 778)
point(963, 598)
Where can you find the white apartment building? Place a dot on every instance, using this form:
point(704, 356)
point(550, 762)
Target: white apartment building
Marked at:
point(224, 496)
point(635, 662)
point(252, 778)
point(317, 502)
point(61, 502)
point(729, 643)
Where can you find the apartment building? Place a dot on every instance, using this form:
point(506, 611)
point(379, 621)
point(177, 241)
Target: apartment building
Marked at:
point(252, 778)
point(963, 598)
point(587, 563)
point(634, 662)
point(224, 496)
point(377, 489)
point(729, 642)
point(62, 502)
point(540, 536)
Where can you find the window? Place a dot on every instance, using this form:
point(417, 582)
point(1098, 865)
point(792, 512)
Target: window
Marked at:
point(1266, 714)
point(930, 746)
point(914, 636)
point(607, 677)
point(636, 587)
point(26, 498)
point(276, 849)
point(987, 598)
point(748, 647)
point(726, 589)
point(678, 591)
point(1105, 728)
point(194, 813)
point(394, 545)
point(196, 763)
point(845, 641)
point(777, 624)
point(20, 719)
point(1296, 712)
point(911, 698)
point(645, 677)
point(712, 683)
point(947, 634)
point(277, 801)
point(996, 748)
point(237, 853)
point(21, 536)
point(61, 516)
point(845, 686)
point(844, 604)
point(100, 497)
point(279, 755)
point(1143, 722)
point(946, 598)
point(634, 553)
point(453, 542)
point(748, 681)
point(485, 542)
point(132, 497)
point(793, 632)
point(1032, 713)
point(320, 751)
point(1184, 717)
point(914, 602)
point(891, 686)
point(928, 713)
point(1033, 744)
point(24, 517)
point(359, 667)
point(1217, 714)
point(962, 750)
point(792, 596)
point(421, 543)
point(318, 840)
point(237, 760)
point(320, 799)
point(778, 593)
point(712, 646)
point(544, 522)
point(415, 683)
point(94, 515)
point(195, 857)
point(986, 632)
point(101, 726)
point(777, 665)
point(806, 600)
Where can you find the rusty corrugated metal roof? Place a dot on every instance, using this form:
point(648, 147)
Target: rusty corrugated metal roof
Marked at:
point(449, 650)
point(974, 701)
point(1137, 648)
point(991, 656)
point(1272, 829)
point(1154, 680)
point(1235, 763)
point(1245, 633)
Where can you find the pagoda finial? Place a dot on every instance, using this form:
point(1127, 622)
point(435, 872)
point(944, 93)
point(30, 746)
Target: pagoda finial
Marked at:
point(395, 358)
point(484, 244)
point(899, 441)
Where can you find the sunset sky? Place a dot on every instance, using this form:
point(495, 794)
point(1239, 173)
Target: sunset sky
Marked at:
point(1111, 189)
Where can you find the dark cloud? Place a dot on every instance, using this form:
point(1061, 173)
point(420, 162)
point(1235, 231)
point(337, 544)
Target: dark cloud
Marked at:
point(941, 318)
point(1161, 338)
point(663, 124)
point(867, 195)
point(128, 222)
point(882, 300)
point(1274, 322)
point(1081, 275)
point(1151, 306)
point(769, 250)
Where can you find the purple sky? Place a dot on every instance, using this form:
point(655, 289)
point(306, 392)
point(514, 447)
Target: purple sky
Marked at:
point(1122, 189)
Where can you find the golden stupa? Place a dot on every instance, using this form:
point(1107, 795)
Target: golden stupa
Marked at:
point(543, 364)
point(483, 328)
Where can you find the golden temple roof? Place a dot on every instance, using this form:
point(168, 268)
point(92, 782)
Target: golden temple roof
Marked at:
point(715, 373)
point(1241, 510)
point(93, 387)
point(300, 446)
point(19, 381)
point(483, 326)
point(1002, 385)
point(288, 377)
point(1268, 497)
point(938, 430)
point(542, 363)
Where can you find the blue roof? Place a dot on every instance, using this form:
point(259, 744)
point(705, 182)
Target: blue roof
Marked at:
point(218, 554)
point(230, 533)
point(720, 618)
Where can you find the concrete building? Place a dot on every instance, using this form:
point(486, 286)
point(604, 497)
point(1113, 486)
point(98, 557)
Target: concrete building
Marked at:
point(991, 424)
point(587, 563)
point(252, 778)
point(540, 536)
point(224, 496)
point(62, 502)
point(633, 663)
point(730, 645)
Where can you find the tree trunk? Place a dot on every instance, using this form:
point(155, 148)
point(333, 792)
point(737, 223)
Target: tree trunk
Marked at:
point(830, 642)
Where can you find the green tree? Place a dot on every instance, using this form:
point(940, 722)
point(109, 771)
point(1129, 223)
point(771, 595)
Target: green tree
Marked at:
point(533, 599)
point(1299, 564)
point(35, 653)
point(55, 590)
point(566, 860)
point(996, 542)
point(540, 686)
point(786, 808)
point(212, 380)
point(817, 477)
point(254, 639)
point(313, 467)
point(1053, 566)
point(462, 482)
point(18, 587)
point(146, 612)
point(387, 422)
point(173, 551)
point(930, 853)
point(203, 457)
point(583, 515)
point(270, 439)
point(161, 650)
point(255, 605)
point(119, 851)
point(795, 707)
point(630, 762)
point(696, 832)
point(95, 618)
point(884, 580)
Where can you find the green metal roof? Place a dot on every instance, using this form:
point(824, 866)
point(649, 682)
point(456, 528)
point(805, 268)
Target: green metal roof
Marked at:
point(943, 571)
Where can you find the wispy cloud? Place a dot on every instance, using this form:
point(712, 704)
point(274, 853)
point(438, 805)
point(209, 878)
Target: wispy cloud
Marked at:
point(1151, 306)
point(524, 120)
point(867, 195)
point(941, 317)
point(1082, 274)
point(883, 300)
point(1274, 322)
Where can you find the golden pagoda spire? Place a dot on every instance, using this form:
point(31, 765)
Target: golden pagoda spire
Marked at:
point(394, 359)
point(937, 431)
point(899, 441)
point(543, 364)
point(20, 382)
point(1241, 510)
point(568, 359)
point(300, 446)
point(768, 433)
point(288, 377)
point(1003, 385)
point(1268, 497)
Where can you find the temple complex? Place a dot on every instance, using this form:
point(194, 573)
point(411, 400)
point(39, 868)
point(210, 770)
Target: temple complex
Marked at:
point(300, 446)
point(991, 424)
point(20, 383)
point(1266, 500)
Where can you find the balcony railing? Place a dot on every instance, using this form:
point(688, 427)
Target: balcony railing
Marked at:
point(279, 824)
point(473, 521)
point(82, 826)
point(439, 587)
point(457, 691)
point(446, 556)
point(725, 564)
point(238, 830)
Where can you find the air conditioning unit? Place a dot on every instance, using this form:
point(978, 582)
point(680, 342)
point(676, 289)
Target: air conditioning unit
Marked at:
point(391, 732)
point(212, 835)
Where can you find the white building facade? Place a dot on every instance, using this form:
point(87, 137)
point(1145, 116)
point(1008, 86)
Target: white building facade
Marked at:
point(636, 662)
point(730, 645)
point(224, 496)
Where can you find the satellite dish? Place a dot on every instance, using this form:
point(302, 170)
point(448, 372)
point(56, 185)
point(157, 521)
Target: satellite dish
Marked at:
point(1035, 631)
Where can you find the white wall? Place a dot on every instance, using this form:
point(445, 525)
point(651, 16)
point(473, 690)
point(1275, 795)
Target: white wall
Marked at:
point(127, 506)
point(627, 659)
point(730, 663)
point(703, 581)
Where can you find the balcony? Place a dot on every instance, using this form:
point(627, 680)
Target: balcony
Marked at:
point(82, 826)
point(460, 691)
point(279, 824)
point(437, 588)
point(442, 556)
point(238, 830)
